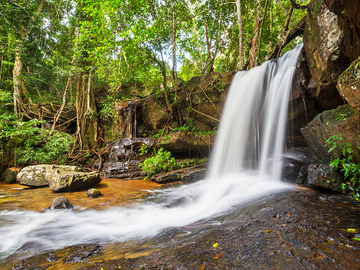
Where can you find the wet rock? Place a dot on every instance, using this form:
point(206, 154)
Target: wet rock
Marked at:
point(94, 193)
point(349, 85)
point(9, 175)
point(33, 176)
point(321, 176)
point(324, 45)
point(193, 175)
point(122, 157)
point(186, 175)
point(293, 161)
point(61, 203)
point(343, 120)
point(302, 174)
point(70, 178)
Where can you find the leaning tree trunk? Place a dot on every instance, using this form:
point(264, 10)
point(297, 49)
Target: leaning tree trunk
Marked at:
point(86, 112)
point(241, 44)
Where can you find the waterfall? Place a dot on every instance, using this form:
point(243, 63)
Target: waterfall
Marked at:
point(252, 129)
point(244, 164)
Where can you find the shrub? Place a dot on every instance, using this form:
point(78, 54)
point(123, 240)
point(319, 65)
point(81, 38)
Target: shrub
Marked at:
point(347, 163)
point(160, 162)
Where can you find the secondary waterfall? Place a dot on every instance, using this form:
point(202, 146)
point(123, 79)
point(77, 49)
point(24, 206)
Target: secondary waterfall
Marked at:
point(245, 164)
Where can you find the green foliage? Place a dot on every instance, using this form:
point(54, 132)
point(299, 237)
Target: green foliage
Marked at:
point(26, 143)
point(160, 162)
point(347, 163)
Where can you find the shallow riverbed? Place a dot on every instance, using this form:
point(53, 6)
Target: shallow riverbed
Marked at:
point(289, 229)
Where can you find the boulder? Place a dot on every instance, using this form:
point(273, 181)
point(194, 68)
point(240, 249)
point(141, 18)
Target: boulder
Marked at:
point(155, 114)
point(70, 178)
point(344, 121)
point(9, 176)
point(349, 85)
point(293, 161)
point(321, 176)
point(33, 176)
point(122, 157)
point(324, 45)
point(61, 203)
point(94, 193)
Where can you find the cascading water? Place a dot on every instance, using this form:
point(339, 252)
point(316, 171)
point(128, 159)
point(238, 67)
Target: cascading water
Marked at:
point(245, 163)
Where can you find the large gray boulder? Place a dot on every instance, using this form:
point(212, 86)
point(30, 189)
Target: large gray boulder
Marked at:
point(58, 178)
point(70, 178)
point(33, 176)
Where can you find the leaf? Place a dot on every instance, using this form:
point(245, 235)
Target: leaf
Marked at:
point(357, 239)
point(215, 245)
point(217, 257)
point(352, 230)
point(268, 231)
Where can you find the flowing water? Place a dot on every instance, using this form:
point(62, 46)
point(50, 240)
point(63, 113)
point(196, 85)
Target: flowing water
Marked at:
point(245, 164)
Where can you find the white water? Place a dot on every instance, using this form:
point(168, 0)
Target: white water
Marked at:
point(245, 164)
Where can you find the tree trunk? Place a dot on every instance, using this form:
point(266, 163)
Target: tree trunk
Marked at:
point(255, 37)
point(86, 112)
point(241, 45)
point(174, 75)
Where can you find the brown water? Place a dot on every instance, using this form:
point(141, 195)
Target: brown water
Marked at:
point(115, 192)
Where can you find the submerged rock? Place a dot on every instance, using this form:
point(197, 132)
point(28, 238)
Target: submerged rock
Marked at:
point(33, 176)
point(9, 175)
point(61, 203)
point(70, 178)
point(94, 193)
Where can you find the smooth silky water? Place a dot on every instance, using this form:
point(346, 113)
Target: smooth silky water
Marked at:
point(245, 164)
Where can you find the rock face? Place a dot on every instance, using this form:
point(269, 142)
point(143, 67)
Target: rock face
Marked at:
point(187, 144)
point(321, 176)
point(61, 203)
point(70, 178)
point(33, 176)
point(122, 157)
point(9, 175)
point(58, 178)
point(324, 44)
point(349, 85)
point(343, 120)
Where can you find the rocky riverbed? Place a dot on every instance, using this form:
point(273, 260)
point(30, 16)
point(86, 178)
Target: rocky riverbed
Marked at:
point(291, 229)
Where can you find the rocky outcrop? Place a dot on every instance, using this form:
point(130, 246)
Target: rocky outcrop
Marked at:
point(9, 175)
point(349, 85)
point(321, 176)
point(70, 178)
point(58, 178)
point(343, 121)
point(122, 158)
point(187, 144)
point(33, 176)
point(324, 45)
